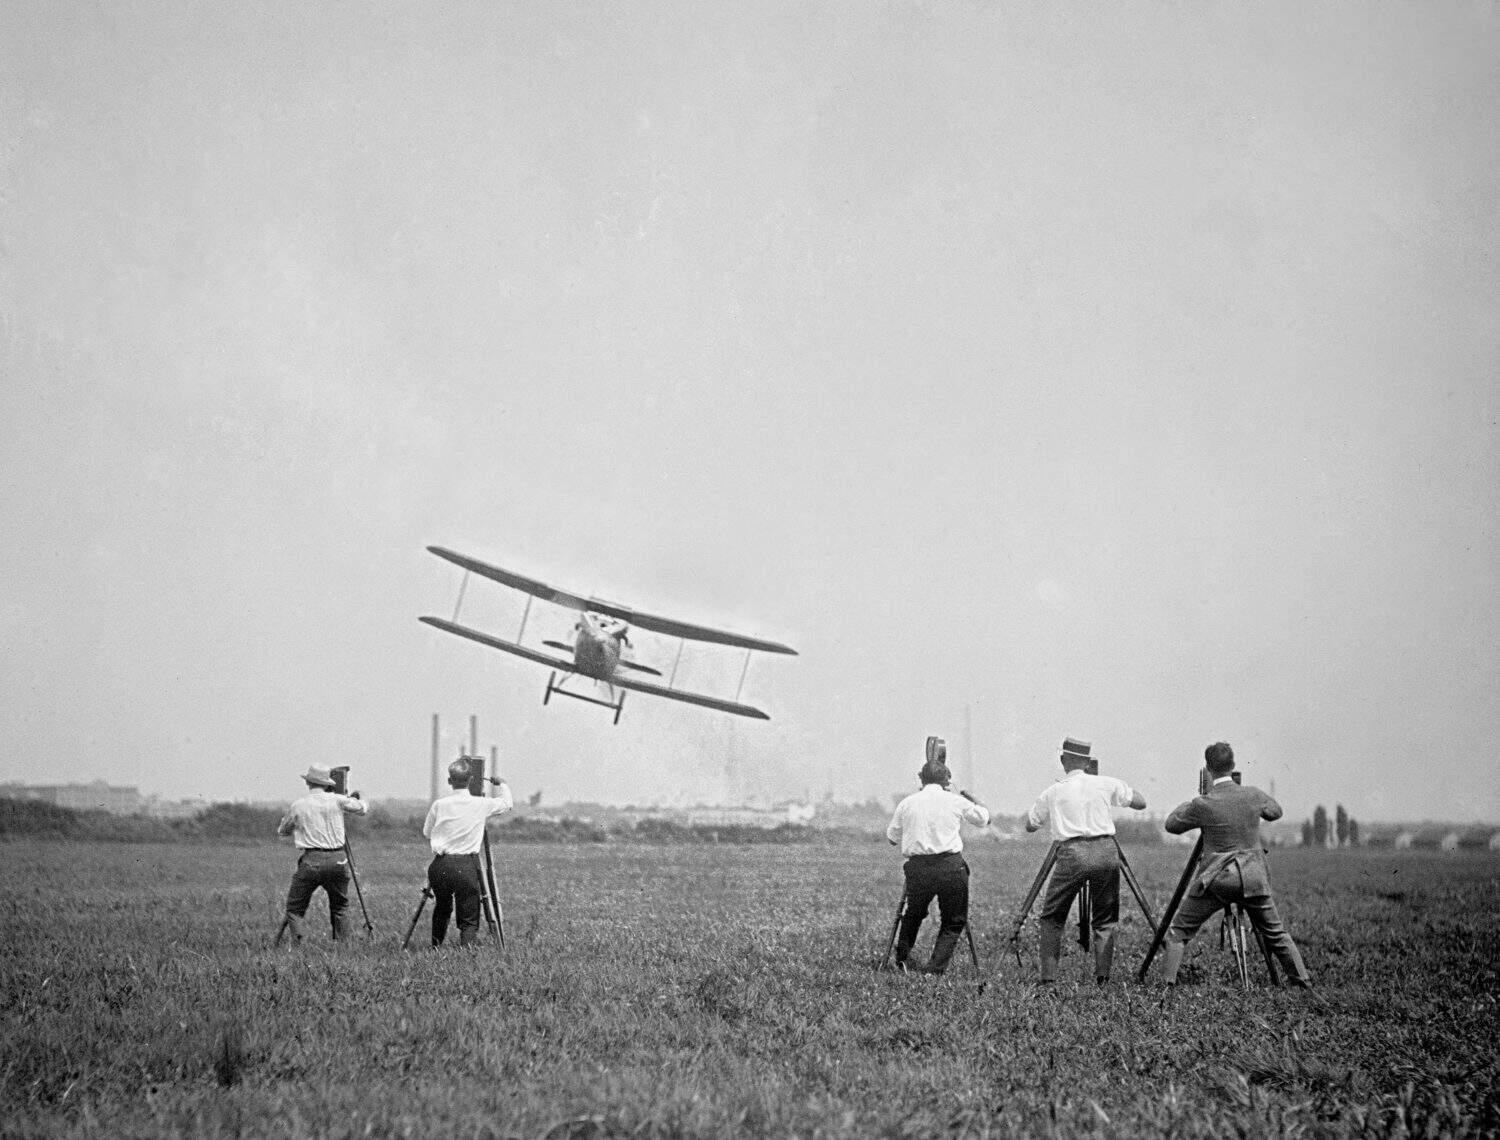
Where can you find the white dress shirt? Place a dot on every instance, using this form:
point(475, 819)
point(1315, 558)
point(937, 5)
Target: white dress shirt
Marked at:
point(455, 822)
point(317, 819)
point(1078, 805)
point(927, 822)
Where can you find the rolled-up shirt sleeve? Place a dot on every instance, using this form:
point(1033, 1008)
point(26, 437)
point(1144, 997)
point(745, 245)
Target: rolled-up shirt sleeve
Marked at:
point(893, 831)
point(502, 800)
point(353, 806)
point(1122, 794)
point(977, 814)
point(1038, 813)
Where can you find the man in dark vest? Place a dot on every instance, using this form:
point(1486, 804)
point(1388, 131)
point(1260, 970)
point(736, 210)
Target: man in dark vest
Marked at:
point(1233, 867)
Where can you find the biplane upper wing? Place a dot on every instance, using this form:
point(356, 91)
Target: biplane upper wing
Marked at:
point(674, 628)
point(691, 698)
point(652, 622)
point(498, 643)
point(514, 581)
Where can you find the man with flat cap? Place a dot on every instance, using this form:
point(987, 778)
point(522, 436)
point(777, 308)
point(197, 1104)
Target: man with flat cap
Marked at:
point(455, 827)
point(1233, 867)
point(1077, 809)
point(926, 826)
point(316, 825)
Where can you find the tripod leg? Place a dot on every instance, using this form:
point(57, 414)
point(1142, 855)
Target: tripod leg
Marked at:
point(973, 953)
point(426, 894)
point(495, 915)
point(286, 920)
point(1127, 872)
point(1237, 940)
point(1171, 912)
point(1085, 909)
point(890, 943)
point(1036, 887)
point(359, 894)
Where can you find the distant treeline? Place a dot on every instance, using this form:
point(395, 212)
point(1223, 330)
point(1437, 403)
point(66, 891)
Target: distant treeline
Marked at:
point(35, 819)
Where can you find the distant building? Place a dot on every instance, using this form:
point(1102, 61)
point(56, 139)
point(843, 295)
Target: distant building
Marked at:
point(1494, 844)
point(1449, 842)
point(1404, 841)
point(800, 813)
point(96, 796)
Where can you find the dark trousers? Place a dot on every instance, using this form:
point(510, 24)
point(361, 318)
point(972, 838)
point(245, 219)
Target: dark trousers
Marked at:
point(1200, 905)
point(1096, 861)
point(942, 877)
point(455, 878)
point(330, 871)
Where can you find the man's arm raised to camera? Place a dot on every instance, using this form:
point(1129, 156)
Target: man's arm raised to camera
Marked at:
point(1040, 812)
point(974, 812)
point(353, 804)
point(502, 800)
point(1184, 817)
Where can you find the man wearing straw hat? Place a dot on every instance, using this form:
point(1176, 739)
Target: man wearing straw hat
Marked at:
point(1077, 809)
point(316, 825)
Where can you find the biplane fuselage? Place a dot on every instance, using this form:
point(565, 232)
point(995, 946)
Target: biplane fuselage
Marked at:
point(596, 645)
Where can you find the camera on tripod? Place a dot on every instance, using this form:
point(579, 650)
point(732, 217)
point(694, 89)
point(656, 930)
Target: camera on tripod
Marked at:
point(474, 767)
point(1206, 779)
point(340, 778)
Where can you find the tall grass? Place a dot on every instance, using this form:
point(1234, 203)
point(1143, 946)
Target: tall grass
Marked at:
point(718, 991)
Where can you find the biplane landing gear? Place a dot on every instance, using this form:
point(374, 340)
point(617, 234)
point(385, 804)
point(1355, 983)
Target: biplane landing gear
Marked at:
point(556, 686)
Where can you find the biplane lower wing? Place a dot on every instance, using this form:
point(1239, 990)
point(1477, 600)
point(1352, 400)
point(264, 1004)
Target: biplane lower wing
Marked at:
point(691, 698)
point(617, 681)
point(497, 643)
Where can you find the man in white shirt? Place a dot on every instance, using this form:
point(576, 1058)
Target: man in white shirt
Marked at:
point(455, 827)
point(316, 825)
point(926, 827)
point(1077, 808)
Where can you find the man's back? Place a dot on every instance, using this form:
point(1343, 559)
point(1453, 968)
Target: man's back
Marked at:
point(1079, 805)
point(1229, 816)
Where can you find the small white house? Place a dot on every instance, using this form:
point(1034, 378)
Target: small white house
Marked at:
point(1403, 841)
point(1449, 842)
point(1494, 844)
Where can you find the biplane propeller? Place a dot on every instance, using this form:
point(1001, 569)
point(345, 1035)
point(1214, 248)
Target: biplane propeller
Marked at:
point(601, 633)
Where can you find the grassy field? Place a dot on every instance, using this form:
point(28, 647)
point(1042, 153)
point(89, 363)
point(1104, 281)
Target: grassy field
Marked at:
point(718, 991)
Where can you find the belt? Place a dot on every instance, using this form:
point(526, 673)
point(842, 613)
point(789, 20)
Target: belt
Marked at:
point(457, 854)
point(327, 850)
point(1085, 838)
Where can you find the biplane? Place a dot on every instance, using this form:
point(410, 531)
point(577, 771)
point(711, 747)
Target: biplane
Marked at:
point(601, 634)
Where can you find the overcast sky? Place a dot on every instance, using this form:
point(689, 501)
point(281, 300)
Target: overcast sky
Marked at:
point(1123, 371)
